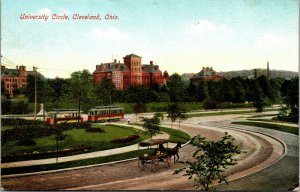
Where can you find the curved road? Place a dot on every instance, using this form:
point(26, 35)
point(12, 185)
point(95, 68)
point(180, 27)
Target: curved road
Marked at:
point(261, 151)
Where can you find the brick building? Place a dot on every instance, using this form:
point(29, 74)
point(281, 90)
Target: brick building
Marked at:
point(207, 73)
point(13, 78)
point(130, 73)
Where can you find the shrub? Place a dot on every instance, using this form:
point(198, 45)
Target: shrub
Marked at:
point(125, 139)
point(210, 104)
point(26, 142)
point(94, 130)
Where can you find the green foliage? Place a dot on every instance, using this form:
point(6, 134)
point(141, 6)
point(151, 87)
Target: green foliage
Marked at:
point(290, 92)
point(176, 111)
point(211, 159)
point(151, 125)
point(15, 106)
point(105, 92)
point(74, 139)
point(176, 88)
point(176, 136)
point(210, 104)
point(29, 90)
point(259, 105)
point(36, 130)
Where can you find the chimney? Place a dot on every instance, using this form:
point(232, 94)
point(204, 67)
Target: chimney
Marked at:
point(151, 62)
point(119, 61)
point(115, 60)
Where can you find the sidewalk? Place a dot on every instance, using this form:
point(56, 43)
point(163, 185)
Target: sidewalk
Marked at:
point(82, 156)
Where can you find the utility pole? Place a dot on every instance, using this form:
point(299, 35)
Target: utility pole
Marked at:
point(109, 108)
point(35, 92)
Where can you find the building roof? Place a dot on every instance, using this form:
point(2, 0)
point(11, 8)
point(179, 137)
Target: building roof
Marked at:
point(207, 73)
point(9, 73)
point(132, 55)
point(112, 66)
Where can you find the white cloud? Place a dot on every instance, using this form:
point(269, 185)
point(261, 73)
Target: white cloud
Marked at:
point(204, 27)
point(108, 33)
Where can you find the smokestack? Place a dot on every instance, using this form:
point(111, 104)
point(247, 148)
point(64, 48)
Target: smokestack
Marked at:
point(151, 62)
point(115, 60)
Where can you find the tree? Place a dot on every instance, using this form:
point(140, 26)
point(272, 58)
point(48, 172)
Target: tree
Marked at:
point(211, 159)
point(176, 88)
point(30, 90)
point(175, 111)
point(290, 91)
point(105, 92)
point(151, 125)
point(81, 87)
point(237, 90)
point(266, 87)
point(259, 105)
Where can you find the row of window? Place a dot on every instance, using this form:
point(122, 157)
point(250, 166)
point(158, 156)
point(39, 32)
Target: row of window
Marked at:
point(63, 115)
point(106, 112)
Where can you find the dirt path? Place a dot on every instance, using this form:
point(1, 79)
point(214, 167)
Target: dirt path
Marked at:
point(261, 151)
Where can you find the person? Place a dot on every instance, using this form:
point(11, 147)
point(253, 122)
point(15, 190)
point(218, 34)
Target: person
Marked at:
point(161, 147)
point(128, 120)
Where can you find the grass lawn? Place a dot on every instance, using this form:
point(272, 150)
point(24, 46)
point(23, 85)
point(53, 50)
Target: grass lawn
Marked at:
point(3, 128)
point(225, 113)
point(76, 138)
point(176, 136)
point(84, 162)
point(289, 129)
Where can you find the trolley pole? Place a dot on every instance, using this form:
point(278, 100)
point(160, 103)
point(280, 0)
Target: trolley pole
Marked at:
point(35, 92)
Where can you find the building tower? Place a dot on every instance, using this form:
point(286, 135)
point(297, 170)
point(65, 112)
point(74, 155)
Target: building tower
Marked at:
point(133, 62)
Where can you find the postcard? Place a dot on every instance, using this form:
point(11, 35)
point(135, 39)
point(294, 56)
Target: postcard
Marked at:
point(150, 95)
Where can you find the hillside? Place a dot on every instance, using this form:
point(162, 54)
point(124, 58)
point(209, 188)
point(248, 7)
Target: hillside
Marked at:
point(250, 73)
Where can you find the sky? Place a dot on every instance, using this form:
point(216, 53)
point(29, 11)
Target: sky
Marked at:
point(179, 36)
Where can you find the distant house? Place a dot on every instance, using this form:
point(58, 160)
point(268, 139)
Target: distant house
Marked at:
point(207, 73)
point(13, 79)
point(130, 73)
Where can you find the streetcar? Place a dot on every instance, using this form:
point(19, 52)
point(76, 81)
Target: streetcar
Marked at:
point(105, 113)
point(63, 116)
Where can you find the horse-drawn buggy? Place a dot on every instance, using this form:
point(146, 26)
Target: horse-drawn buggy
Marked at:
point(157, 155)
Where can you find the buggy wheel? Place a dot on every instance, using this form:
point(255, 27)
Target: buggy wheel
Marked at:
point(168, 161)
point(142, 164)
point(154, 164)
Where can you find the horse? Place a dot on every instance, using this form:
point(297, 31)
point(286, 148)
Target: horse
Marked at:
point(174, 152)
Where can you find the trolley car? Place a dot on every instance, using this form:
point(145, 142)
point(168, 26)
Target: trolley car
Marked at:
point(105, 113)
point(63, 116)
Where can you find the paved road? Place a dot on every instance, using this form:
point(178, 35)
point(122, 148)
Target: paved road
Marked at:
point(128, 176)
point(278, 177)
